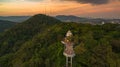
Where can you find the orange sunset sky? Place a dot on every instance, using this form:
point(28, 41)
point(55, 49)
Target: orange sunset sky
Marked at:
point(85, 8)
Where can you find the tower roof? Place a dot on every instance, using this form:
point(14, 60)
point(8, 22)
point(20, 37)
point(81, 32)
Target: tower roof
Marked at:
point(69, 33)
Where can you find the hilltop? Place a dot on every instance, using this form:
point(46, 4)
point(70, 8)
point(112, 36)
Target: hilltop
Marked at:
point(36, 42)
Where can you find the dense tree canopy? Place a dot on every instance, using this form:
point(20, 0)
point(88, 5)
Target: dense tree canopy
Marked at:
point(37, 43)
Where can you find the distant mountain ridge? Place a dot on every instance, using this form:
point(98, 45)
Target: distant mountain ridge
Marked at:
point(64, 18)
point(14, 18)
point(71, 18)
point(6, 25)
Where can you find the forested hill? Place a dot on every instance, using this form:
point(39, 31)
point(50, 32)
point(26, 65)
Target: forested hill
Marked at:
point(37, 43)
point(26, 30)
point(6, 25)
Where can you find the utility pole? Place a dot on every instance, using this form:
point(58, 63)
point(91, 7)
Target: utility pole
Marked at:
point(68, 52)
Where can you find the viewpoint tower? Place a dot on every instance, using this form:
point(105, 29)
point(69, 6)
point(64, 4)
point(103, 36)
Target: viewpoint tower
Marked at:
point(68, 52)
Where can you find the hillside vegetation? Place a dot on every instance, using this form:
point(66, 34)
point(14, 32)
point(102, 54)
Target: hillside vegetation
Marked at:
point(6, 25)
point(37, 43)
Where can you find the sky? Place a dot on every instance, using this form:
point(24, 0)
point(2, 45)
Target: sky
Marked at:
point(84, 8)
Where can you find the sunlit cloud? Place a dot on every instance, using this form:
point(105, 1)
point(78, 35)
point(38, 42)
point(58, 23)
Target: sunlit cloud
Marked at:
point(34, 0)
point(109, 8)
point(21, 0)
point(0, 4)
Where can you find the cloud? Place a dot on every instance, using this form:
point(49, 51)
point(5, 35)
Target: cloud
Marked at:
point(93, 2)
point(34, 0)
point(19, 0)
